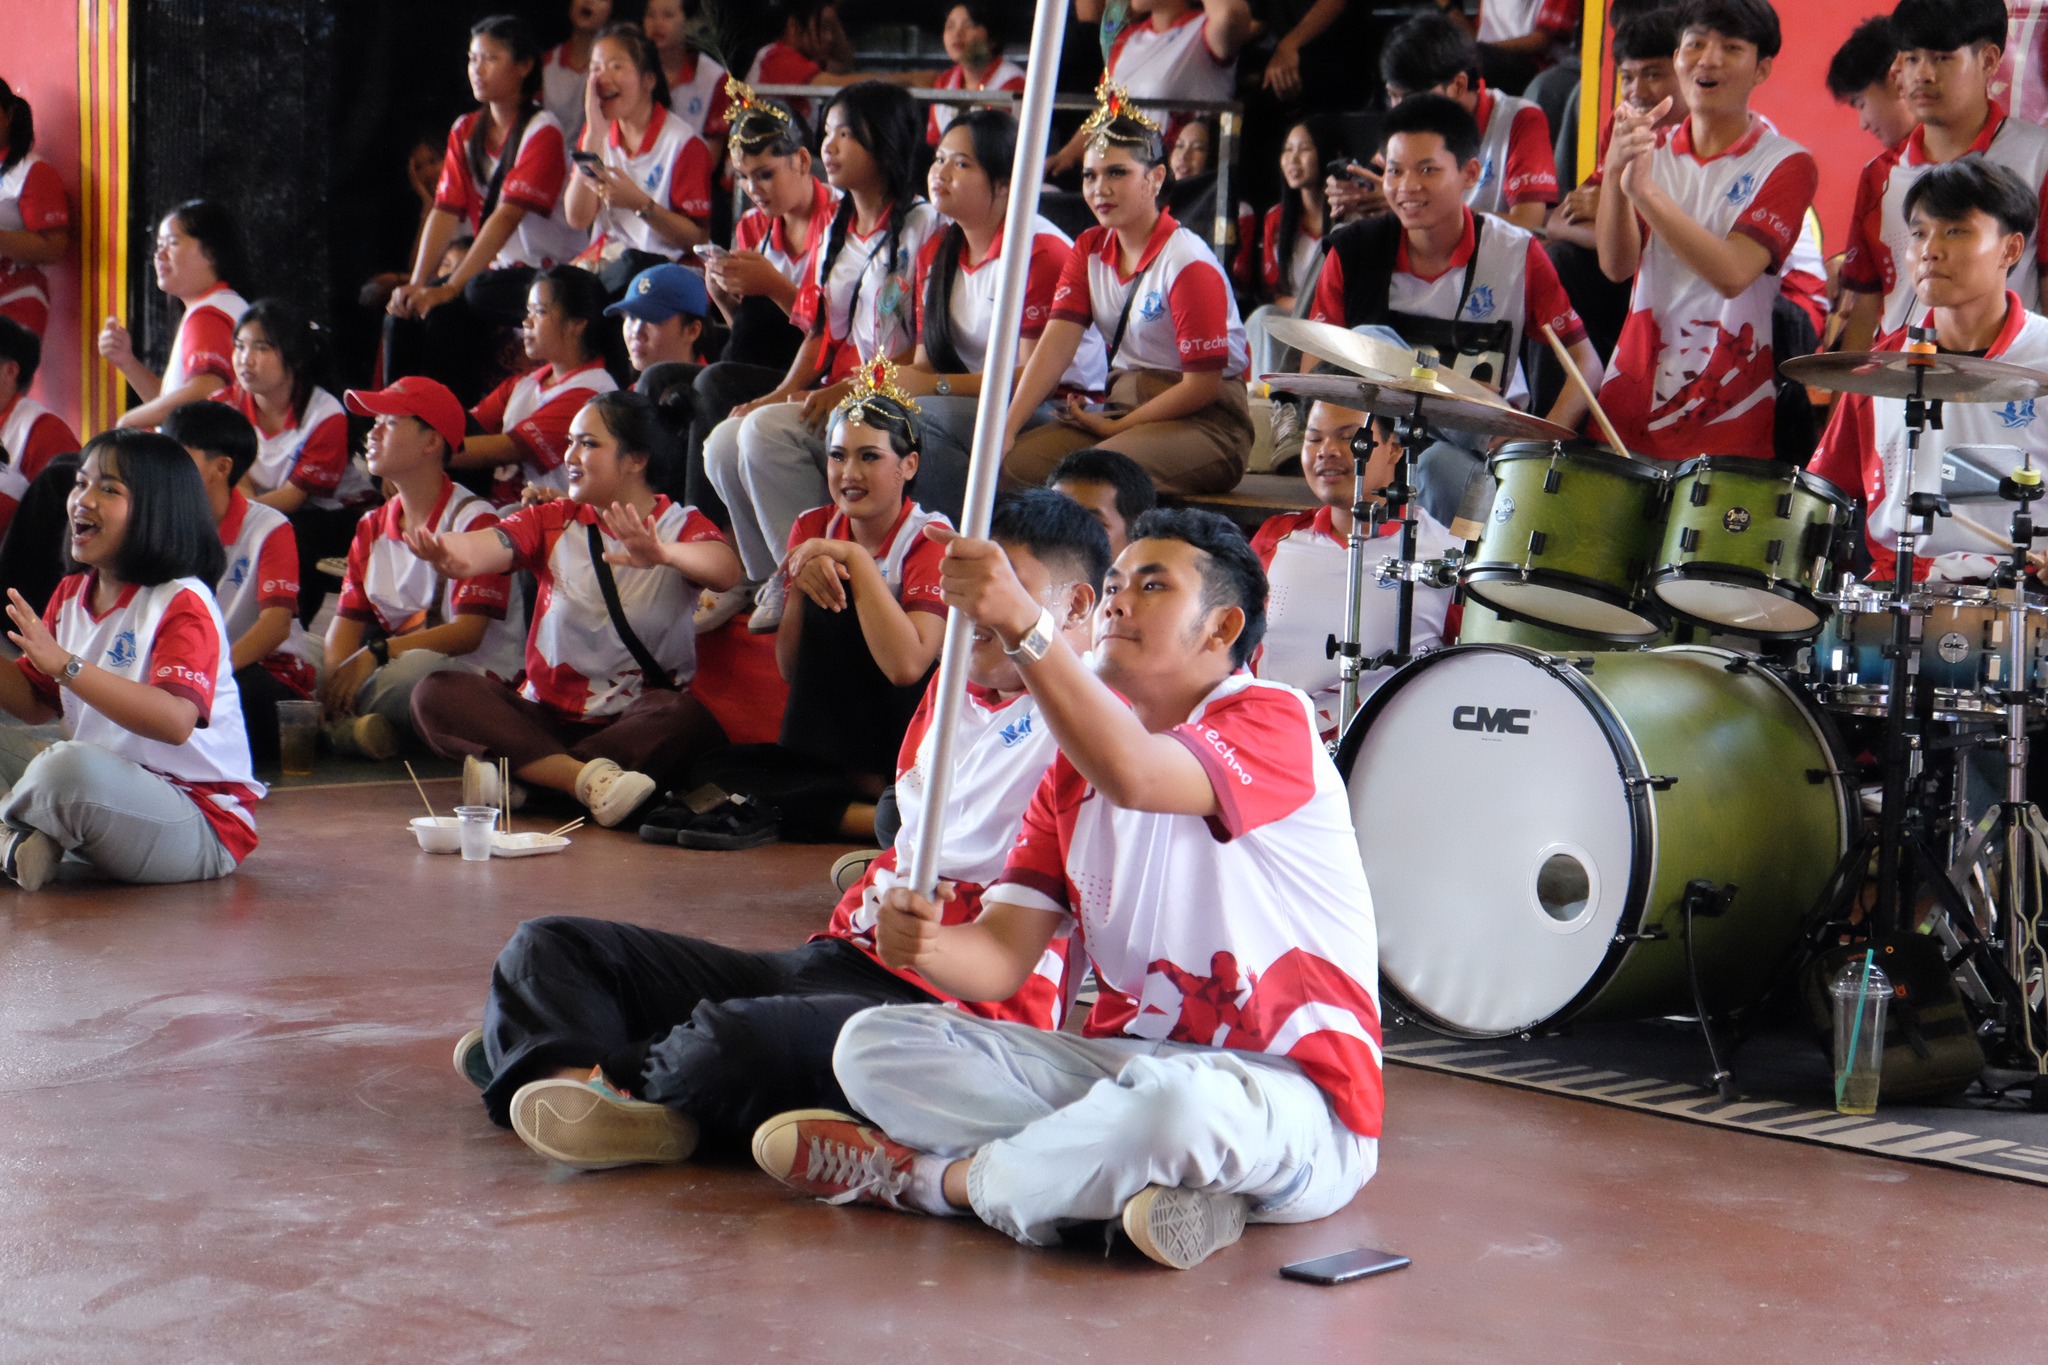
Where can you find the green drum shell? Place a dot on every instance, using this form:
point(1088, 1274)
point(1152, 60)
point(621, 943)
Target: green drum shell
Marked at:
point(1601, 521)
point(1732, 548)
point(1747, 809)
point(1482, 625)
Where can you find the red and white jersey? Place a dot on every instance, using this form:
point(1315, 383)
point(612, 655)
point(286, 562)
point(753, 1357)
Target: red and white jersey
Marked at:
point(1513, 281)
point(1804, 277)
point(865, 297)
point(1251, 929)
point(1693, 372)
point(1878, 239)
point(205, 340)
point(30, 434)
point(1516, 162)
point(562, 86)
point(1002, 74)
point(535, 180)
point(697, 94)
point(780, 64)
point(1307, 568)
point(171, 637)
point(31, 200)
point(1183, 315)
point(309, 452)
point(1308, 245)
point(390, 587)
point(1000, 752)
point(909, 562)
point(535, 410)
point(973, 303)
point(263, 571)
point(1502, 21)
point(1175, 64)
point(1863, 451)
point(756, 231)
point(674, 166)
point(576, 664)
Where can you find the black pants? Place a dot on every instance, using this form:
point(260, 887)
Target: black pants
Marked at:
point(261, 692)
point(454, 342)
point(322, 533)
point(729, 1037)
point(1601, 303)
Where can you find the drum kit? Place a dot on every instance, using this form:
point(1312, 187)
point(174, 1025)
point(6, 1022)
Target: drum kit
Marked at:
point(1626, 791)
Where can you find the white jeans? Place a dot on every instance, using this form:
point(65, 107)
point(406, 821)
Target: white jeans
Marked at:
point(769, 468)
point(1064, 1129)
point(123, 820)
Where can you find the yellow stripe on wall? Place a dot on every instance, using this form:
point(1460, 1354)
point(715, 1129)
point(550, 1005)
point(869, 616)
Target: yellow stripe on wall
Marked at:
point(103, 200)
point(1593, 106)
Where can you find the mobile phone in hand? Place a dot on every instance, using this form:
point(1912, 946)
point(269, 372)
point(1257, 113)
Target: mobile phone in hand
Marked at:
point(1345, 1266)
point(708, 251)
point(1339, 168)
point(590, 163)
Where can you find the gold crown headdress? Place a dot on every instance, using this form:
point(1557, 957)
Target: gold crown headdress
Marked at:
point(744, 102)
point(1113, 102)
point(876, 378)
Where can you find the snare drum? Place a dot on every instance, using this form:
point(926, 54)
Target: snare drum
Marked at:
point(1574, 527)
point(1749, 546)
point(1963, 656)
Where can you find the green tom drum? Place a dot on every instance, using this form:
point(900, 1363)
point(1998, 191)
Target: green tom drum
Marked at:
point(1750, 545)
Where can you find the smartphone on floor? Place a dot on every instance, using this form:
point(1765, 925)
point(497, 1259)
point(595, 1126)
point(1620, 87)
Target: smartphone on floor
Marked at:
point(1345, 1266)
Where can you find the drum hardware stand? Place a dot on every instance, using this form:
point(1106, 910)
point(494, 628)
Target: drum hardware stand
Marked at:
point(1702, 897)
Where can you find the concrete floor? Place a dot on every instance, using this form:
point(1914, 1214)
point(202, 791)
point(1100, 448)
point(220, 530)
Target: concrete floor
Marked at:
point(229, 1131)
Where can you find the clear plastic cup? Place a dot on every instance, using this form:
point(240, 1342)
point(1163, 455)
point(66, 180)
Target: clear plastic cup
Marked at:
point(298, 730)
point(478, 823)
point(1860, 991)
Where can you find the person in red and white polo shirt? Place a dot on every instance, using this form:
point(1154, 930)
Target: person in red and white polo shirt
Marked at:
point(399, 620)
point(526, 419)
point(605, 713)
point(30, 434)
point(812, 49)
point(1167, 49)
point(565, 69)
point(954, 295)
point(35, 217)
point(696, 80)
point(1195, 839)
point(971, 40)
point(1306, 556)
point(1434, 53)
point(1176, 348)
point(593, 1027)
point(1703, 217)
point(198, 253)
point(653, 192)
point(1969, 221)
point(1948, 53)
point(151, 782)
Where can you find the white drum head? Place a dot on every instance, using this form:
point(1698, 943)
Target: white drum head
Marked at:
point(1562, 607)
point(1497, 840)
point(1743, 610)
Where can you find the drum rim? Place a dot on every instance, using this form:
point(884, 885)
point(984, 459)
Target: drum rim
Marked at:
point(1606, 592)
point(1822, 488)
point(1600, 457)
point(1749, 577)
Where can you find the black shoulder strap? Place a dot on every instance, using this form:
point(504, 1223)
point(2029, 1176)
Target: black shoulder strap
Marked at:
point(650, 667)
point(1123, 319)
point(1367, 250)
point(507, 154)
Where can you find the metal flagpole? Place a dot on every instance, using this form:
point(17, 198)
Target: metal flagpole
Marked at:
point(1034, 123)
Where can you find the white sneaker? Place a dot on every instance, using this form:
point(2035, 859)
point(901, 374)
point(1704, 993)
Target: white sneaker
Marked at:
point(1182, 1228)
point(611, 792)
point(480, 784)
point(714, 609)
point(768, 603)
point(31, 859)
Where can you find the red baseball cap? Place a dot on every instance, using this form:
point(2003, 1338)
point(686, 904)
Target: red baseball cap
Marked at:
point(414, 396)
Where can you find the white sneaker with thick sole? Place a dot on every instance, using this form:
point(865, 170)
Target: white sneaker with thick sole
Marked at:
point(714, 609)
point(768, 605)
point(480, 784)
point(612, 793)
point(1182, 1228)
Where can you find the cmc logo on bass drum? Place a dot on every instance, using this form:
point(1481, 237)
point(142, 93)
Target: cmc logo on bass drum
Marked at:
point(1491, 720)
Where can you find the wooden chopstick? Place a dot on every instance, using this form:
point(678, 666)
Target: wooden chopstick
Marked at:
point(421, 790)
point(569, 828)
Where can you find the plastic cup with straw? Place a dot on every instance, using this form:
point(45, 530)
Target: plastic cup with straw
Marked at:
point(1859, 1045)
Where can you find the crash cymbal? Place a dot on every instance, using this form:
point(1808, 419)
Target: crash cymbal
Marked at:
point(1440, 408)
point(1368, 357)
point(1892, 374)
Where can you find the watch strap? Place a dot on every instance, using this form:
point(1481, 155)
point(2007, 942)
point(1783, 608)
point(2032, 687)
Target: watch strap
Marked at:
point(1037, 641)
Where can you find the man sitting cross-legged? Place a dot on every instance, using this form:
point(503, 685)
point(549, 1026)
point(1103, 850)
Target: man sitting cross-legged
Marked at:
point(712, 1040)
point(1197, 843)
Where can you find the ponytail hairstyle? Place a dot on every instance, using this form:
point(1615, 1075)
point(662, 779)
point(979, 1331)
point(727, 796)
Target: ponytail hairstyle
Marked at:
point(21, 127)
point(882, 118)
point(636, 424)
point(1291, 206)
point(171, 531)
point(646, 56)
point(993, 133)
point(219, 236)
point(762, 127)
point(510, 32)
point(582, 298)
point(300, 344)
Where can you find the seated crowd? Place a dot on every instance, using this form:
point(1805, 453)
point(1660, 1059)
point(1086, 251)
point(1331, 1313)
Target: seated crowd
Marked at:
point(607, 436)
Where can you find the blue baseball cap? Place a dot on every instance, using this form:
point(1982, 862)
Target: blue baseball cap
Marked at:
point(660, 292)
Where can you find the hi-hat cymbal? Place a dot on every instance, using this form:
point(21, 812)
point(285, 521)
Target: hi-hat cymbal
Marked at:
point(1895, 374)
point(1398, 398)
point(1367, 357)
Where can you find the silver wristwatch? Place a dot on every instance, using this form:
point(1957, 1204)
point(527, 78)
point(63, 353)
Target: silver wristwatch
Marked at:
point(1037, 641)
point(943, 387)
point(69, 673)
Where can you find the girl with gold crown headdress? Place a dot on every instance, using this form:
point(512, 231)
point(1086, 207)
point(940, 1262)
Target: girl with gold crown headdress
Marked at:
point(1154, 289)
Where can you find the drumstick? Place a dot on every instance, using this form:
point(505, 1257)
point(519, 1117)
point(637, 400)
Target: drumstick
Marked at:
point(421, 790)
point(1981, 529)
point(1571, 368)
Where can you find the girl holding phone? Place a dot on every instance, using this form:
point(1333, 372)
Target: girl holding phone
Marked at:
point(648, 194)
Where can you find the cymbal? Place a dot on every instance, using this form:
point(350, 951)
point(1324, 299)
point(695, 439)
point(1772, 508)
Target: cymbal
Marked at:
point(1891, 374)
point(1365, 356)
point(1440, 408)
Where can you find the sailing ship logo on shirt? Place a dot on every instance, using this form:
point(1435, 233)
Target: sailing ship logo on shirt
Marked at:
point(1015, 732)
point(121, 653)
point(2016, 414)
point(1744, 186)
point(1486, 175)
point(1480, 302)
point(238, 573)
point(1153, 306)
